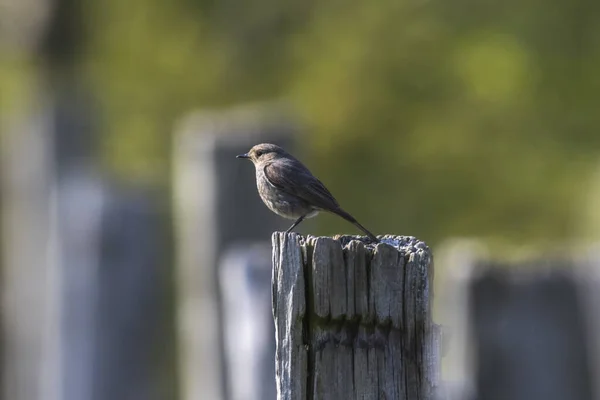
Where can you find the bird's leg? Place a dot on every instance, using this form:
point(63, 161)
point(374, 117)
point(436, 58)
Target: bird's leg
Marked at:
point(295, 223)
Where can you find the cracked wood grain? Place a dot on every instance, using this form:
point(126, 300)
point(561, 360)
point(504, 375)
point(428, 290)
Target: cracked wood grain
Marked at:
point(353, 319)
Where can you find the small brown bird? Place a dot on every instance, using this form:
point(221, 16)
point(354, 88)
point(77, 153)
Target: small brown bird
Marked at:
point(288, 188)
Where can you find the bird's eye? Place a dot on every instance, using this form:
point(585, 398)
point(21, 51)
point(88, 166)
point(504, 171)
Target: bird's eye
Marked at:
point(258, 153)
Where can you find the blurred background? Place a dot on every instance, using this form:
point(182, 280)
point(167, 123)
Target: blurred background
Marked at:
point(131, 236)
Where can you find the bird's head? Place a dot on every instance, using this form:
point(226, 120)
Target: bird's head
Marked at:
point(263, 152)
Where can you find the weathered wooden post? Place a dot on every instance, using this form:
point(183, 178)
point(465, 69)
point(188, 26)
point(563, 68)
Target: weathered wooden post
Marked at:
point(353, 320)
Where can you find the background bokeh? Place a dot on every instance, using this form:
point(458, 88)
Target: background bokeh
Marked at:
point(461, 118)
point(429, 118)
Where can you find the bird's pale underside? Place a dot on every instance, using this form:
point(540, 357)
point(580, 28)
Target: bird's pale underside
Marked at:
point(290, 190)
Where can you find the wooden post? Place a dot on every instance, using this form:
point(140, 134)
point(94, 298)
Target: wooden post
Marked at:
point(353, 320)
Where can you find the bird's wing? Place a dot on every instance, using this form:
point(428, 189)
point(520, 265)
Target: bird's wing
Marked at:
point(294, 178)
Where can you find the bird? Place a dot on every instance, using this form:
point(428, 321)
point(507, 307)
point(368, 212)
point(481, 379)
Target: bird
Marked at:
point(290, 190)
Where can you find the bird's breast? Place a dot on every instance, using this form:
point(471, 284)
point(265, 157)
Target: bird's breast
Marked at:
point(281, 203)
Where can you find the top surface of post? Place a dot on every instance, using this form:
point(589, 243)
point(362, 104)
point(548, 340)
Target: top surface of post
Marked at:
point(408, 244)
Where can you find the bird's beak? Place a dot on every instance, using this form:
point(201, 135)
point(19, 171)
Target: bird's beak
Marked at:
point(242, 156)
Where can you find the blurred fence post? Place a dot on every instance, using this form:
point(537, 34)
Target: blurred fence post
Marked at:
point(527, 326)
point(74, 243)
point(55, 211)
point(245, 279)
point(589, 278)
point(27, 172)
point(531, 340)
point(353, 321)
point(458, 258)
point(78, 202)
point(130, 312)
point(216, 205)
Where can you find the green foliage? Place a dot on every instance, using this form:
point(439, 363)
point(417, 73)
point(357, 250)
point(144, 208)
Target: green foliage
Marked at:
point(426, 117)
point(448, 124)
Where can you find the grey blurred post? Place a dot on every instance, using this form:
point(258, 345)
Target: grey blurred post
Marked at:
point(216, 205)
point(458, 258)
point(589, 277)
point(80, 255)
point(81, 284)
point(130, 313)
point(531, 338)
point(523, 331)
point(52, 210)
point(109, 249)
point(27, 172)
point(245, 279)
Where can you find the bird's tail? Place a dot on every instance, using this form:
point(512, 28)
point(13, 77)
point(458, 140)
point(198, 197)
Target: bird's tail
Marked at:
point(353, 220)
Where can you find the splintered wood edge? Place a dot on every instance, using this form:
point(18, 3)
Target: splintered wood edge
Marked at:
point(289, 308)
